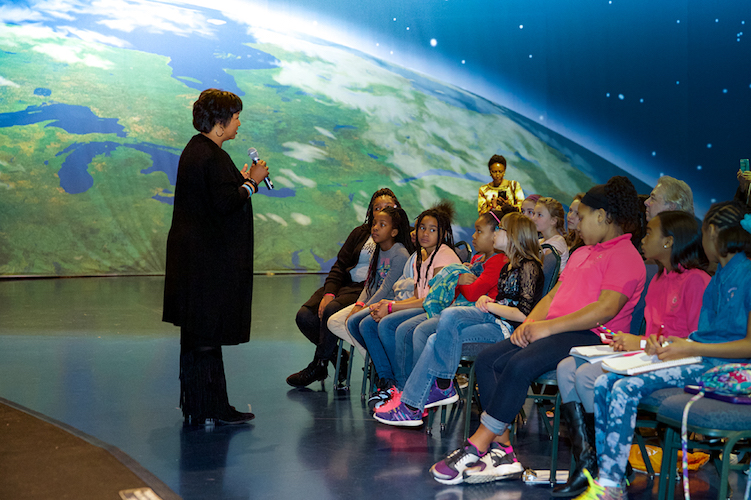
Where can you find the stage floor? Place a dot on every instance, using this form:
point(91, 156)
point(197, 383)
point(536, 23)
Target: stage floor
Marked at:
point(93, 354)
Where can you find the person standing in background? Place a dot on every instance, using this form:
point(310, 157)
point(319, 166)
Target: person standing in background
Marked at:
point(208, 284)
point(499, 191)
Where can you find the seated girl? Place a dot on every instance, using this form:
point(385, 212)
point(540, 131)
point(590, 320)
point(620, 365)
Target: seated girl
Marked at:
point(572, 224)
point(550, 224)
point(377, 331)
point(343, 285)
point(601, 284)
point(672, 306)
point(528, 205)
point(519, 288)
point(723, 336)
point(390, 232)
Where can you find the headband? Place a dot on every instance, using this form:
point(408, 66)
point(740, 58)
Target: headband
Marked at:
point(499, 221)
point(597, 198)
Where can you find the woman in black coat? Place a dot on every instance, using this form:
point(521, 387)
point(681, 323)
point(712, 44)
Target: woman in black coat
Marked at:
point(209, 276)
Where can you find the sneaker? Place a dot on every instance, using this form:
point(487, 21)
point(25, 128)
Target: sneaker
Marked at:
point(382, 395)
point(438, 397)
point(498, 464)
point(595, 491)
point(401, 416)
point(450, 470)
point(462, 381)
point(389, 404)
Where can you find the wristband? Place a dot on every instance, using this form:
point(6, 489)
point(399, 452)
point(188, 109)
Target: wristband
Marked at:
point(360, 304)
point(327, 294)
point(250, 191)
point(254, 184)
point(391, 304)
point(642, 344)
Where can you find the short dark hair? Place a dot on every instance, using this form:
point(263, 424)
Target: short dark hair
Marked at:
point(497, 159)
point(214, 106)
point(732, 237)
point(687, 252)
point(378, 194)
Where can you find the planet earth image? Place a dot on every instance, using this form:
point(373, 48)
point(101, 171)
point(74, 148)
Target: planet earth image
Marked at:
point(96, 106)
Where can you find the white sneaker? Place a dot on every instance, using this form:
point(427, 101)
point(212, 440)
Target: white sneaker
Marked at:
point(496, 465)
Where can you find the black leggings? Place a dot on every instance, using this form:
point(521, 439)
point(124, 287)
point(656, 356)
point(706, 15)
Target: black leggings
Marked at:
point(505, 371)
point(316, 329)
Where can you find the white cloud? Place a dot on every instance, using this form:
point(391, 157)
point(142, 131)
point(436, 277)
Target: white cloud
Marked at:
point(93, 36)
point(301, 219)
point(277, 218)
point(4, 82)
point(296, 178)
point(72, 55)
point(325, 132)
point(304, 152)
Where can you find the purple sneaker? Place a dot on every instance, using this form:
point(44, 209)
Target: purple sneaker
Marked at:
point(450, 470)
point(401, 416)
point(438, 397)
point(498, 464)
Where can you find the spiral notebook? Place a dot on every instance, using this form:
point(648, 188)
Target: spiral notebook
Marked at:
point(641, 362)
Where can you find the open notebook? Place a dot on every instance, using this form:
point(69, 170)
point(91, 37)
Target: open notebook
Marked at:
point(637, 362)
point(595, 353)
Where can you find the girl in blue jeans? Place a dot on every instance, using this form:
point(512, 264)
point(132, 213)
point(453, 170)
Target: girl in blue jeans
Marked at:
point(520, 287)
point(723, 336)
point(434, 245)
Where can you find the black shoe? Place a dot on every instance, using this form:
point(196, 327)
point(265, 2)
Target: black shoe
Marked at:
point(315, 371)
point(233, 417)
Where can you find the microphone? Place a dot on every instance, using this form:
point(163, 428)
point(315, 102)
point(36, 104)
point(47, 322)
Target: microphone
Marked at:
point(253, 153)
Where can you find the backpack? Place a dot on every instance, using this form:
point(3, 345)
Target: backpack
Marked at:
point(723, 381)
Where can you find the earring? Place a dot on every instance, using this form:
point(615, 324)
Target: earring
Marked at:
point(664, 246)
point(217, 133)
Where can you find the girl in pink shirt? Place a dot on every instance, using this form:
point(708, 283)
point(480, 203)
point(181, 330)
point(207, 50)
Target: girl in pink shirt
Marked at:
point(672, 307)
point(601, 284)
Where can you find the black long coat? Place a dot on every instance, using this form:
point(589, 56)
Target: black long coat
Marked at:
point(209, 276)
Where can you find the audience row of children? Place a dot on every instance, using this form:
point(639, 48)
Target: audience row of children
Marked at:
point(415, 341)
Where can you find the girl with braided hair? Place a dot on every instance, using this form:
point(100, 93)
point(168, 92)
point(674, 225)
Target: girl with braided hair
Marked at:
point(342, 287)
point(434, 244)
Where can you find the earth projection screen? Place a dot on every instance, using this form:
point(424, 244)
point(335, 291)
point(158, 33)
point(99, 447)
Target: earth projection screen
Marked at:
point(344, 98)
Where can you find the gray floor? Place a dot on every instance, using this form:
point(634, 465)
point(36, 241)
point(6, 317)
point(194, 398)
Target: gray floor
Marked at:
point(93, 353)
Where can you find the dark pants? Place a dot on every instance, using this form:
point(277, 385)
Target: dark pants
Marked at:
point(203, 387)
point(316, 329)
point(505, 371)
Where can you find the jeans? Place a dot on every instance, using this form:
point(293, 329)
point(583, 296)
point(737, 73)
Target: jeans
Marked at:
point(616, 399)
point(380, 339)
point(443, 351)
point(408, 335)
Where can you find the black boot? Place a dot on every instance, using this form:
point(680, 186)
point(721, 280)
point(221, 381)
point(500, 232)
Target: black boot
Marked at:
point(316, 370)
point(581, 430)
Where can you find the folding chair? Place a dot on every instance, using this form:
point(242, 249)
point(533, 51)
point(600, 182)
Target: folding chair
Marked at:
point(710, 418)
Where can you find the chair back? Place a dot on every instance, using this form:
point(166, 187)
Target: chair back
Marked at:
point(551, 265)
point(463, 251)
point(638, 326)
